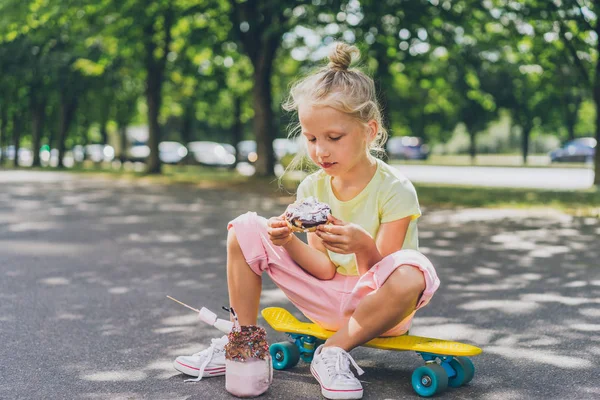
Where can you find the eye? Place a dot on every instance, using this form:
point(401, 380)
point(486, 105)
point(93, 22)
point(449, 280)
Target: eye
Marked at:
point(312, 140)
point(335, 138)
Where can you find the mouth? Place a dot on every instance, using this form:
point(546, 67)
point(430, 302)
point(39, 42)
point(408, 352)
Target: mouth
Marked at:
point(327, 164)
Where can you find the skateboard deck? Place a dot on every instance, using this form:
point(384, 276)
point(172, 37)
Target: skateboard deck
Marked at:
point(283, 321)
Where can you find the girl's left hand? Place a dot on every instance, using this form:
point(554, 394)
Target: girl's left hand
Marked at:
point(342, 237)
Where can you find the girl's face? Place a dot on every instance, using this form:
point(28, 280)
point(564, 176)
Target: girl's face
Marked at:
point(336, 142)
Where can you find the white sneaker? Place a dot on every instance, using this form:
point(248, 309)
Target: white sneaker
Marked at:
point(331, 367)
point(206, 363)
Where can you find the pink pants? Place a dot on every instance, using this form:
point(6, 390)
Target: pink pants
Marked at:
point(329, 303)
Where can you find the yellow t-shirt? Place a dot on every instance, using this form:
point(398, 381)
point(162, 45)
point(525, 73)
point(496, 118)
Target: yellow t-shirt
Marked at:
point(389, 196)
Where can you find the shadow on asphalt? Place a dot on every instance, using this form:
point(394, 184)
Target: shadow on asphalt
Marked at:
point(86, 266)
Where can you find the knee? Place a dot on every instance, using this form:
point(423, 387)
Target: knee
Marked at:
point(232, 241)
point(406, 280)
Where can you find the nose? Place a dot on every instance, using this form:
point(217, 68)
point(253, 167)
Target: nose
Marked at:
point(321, 151)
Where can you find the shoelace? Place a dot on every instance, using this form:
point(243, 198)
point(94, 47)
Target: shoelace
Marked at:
point(208, 353)
point(342, 365)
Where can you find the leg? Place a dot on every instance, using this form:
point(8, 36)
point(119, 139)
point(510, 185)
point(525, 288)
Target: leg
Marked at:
point(383, 309)
point(243, 283)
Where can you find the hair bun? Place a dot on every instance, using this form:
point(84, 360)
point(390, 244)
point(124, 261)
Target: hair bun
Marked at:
point(341, 56)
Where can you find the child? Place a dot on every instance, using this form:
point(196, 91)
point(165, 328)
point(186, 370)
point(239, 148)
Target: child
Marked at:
point(361, 275)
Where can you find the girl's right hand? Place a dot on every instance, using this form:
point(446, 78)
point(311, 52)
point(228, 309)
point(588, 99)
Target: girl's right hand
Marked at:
point(279, 231)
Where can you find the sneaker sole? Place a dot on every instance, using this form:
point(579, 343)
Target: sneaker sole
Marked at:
point(333, 394)
point(193, 371)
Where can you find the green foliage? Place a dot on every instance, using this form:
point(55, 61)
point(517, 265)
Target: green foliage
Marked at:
point(438, 65)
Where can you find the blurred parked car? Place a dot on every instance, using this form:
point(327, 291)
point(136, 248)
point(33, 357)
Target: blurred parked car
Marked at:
point(407, 148)
point(171, 152)
point(212, 153)
point(99, 152)
point(281, 147)
point(246, 151)
point(138, 152)
point(25, 155)
point(577, 150)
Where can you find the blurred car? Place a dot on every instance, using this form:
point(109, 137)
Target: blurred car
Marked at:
point(281, 147)
point(246, 151)
point(171, 152)
point(212, 153)
point(25, 155)
point(406, 148)
point(138, 152)
point(99, 152)
point(577, 150)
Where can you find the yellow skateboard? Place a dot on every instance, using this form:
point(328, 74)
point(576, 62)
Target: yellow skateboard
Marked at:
point(446, 365)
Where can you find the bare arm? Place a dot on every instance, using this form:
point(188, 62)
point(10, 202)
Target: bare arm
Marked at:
point(345, 238)
point(313, 258)
point(390, 239)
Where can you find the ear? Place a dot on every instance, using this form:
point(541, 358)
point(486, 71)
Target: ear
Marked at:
point(373, 130)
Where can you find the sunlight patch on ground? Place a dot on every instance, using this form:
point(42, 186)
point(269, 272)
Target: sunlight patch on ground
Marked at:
point(439, 252)
point(486, 271)
point(490, 214)
point(38, 248)
point(272, 296)
point(458, 332)
point(506, 394)
point(173, 329)
point(115, 376)
point(557, 298)
point(118, 290)
point(55, 281)
point(586, 327)
point(537, 356)
point(549, 251)
point(506, 306)
point(590, 312)
point(575, 284)
point(187, 319)
point(69, 316)
point(189, 350)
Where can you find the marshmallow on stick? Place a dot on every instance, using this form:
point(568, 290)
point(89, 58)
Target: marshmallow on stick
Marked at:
point(209, 317)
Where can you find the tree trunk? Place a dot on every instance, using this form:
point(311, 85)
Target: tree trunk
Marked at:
point(472, 143)
point(123, 143)
point(597, 101)
point(263, 117)
point(525, 132)
point(103, 130)
point(67, 111)
point(3, 135)
point(16, 127)
point(187, 126)
point(154, 79)
point(237, 128)
point(153, 98)
point(571, 110)
point(38, 111)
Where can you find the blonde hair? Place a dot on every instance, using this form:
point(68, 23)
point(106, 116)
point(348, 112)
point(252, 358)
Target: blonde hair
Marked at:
point(349, 91)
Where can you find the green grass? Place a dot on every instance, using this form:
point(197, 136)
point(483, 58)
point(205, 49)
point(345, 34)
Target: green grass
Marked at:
point(576, 202)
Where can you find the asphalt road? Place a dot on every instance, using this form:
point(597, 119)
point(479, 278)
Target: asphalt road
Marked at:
point(85, 265)
point(538, 178)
